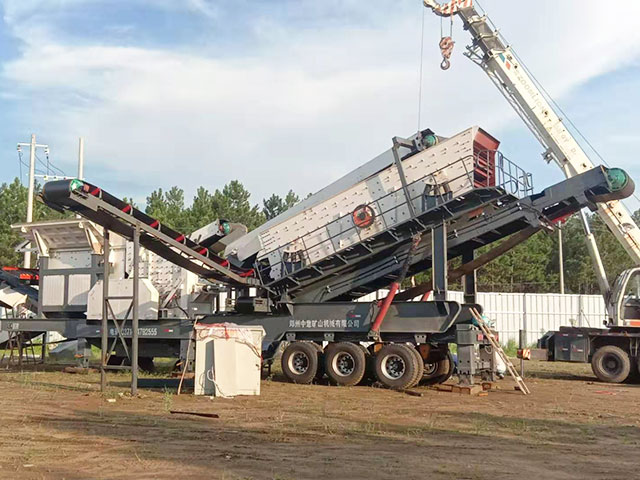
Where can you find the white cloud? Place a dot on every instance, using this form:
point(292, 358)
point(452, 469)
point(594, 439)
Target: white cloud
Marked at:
point(205, 7)
point(302, 106)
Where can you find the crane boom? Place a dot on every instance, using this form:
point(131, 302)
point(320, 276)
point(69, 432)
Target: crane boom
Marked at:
point(499, 62)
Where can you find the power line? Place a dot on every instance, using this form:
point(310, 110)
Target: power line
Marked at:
point(421, 63)
point(50, 166)
point(20, 163)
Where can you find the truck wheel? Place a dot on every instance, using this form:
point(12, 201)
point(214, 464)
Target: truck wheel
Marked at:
point(452, 367)
point(438, 372)
point(146, 364)
point(320, 371)
point(300, 362)
point(611, 364)
point(345, 363)
point(396, 366)
point(419, 367)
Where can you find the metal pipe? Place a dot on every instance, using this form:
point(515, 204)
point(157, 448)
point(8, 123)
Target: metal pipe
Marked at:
point(560, 258)
point(134, 334)
point(594, 253)
point(104, 345)
point(386, 303)
point(81, 158)
point(523, 334)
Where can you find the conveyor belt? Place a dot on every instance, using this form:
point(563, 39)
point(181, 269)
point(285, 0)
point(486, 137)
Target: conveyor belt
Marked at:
point(470, 228)
point(553, 203)
point(122, 218)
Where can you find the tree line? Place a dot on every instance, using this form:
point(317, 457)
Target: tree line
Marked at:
point(532, 266)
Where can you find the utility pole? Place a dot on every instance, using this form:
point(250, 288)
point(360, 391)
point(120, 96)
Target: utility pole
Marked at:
point(81, 158)
point(32, 174)
point(561, 258)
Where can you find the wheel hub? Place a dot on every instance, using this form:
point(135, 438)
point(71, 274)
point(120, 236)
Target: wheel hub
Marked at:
point(393, 367)
point(344, 364)
point(611, 364)
point(430, 368)
point(299, 363)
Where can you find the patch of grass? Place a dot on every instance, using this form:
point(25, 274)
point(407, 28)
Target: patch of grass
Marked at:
point(511, 348)
point(167, 399)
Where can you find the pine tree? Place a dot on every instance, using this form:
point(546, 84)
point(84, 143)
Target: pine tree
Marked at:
point(275, 205)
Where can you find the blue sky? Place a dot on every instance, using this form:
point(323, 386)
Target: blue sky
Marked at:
point(290, 94)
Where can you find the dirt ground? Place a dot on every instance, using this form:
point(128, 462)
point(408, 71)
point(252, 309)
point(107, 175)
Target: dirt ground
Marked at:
point(57, 425)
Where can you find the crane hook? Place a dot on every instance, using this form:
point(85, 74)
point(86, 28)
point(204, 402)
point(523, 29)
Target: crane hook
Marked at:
point(446, 49)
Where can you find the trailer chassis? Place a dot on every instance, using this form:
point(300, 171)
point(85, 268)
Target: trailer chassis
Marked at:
point(614, 352)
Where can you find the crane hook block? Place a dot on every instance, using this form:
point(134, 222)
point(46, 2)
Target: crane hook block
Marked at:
point(446, 49)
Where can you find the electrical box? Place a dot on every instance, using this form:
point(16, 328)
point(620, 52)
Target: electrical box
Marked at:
point(228, 359)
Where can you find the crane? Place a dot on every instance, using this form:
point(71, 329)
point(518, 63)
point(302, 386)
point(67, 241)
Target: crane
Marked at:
point(490, 51)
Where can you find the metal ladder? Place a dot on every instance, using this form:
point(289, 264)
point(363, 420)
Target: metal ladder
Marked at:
point(496, 345)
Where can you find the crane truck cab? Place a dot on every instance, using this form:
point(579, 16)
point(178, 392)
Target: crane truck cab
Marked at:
point(613, 351)
point(623, 306)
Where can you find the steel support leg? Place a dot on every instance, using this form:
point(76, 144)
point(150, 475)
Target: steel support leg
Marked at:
point(104, 345)
point(469, 280)
point(134, 333)
point(439, 261)
point(403, 179)
point(43, 353)
point(466, 340)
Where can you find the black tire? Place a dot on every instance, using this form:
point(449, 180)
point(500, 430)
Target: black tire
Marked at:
point(419, 367)
point(116, 360)
point(611, 364)
point(320, 371)
point(438, 372)
point(452, 367)
point(300, 362)
point(146, 364)
point(345, 363)
point(396, 366)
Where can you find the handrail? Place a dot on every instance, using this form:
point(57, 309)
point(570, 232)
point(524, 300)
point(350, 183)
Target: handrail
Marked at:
point(491, 170)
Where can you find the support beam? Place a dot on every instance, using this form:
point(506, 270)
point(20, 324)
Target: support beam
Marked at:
point(104, 345)
point(136, 318)
point(439, 262)
point(560, 258)
point(81, 158)
point(473, 265)
point(469, 280)
point(403, 179)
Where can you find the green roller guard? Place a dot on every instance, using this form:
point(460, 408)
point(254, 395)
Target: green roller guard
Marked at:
point(75, 184)
point(430, 140)
point(617, 178)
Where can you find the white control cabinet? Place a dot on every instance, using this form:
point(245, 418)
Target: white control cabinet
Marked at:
point(228, 359)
